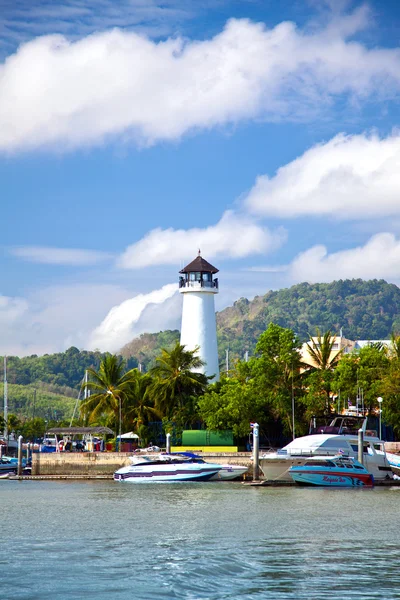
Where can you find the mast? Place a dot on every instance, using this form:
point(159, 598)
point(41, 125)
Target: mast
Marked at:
point(5, 401)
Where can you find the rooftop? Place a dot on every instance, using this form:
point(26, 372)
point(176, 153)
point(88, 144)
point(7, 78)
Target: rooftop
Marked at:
point(199, 265)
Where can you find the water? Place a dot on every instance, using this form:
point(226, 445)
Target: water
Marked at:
point(207, 541)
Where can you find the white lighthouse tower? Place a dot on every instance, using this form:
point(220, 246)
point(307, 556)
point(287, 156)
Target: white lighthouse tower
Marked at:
point(198, 312)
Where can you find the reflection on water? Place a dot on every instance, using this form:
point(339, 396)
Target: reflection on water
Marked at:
point(196, 541)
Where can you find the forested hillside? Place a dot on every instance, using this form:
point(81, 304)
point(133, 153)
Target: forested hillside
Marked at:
point(363, 309)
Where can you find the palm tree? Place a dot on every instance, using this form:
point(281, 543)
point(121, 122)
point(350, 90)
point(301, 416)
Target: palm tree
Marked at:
point(322, 352)
point(394, 349)
point(140, 406)
point(176, 379)
point(109, 387)
point(324, 359)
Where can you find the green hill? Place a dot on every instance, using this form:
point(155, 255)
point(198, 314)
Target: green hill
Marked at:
point(362, 309)
point(33, 401)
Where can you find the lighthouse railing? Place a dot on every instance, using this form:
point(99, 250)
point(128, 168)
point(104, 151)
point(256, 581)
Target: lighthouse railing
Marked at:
point(198, 284)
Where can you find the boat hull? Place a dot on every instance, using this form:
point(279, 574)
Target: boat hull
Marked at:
point(331, 479)
point(229, 472)
point(163, 474)
point(394, 462)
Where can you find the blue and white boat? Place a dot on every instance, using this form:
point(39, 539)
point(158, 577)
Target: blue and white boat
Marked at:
point(165, 468)
point(335, 471)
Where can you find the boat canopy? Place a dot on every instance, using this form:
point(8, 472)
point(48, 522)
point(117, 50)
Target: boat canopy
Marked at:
point(81, 431)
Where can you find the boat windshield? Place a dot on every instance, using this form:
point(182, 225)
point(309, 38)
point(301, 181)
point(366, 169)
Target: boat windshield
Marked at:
point(319, 463)
point(340, 424)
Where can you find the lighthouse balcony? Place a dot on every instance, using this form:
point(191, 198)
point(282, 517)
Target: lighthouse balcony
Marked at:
point(195, 285)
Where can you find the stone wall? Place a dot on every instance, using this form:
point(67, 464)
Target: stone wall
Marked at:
point(106, 463)
point(393, 447)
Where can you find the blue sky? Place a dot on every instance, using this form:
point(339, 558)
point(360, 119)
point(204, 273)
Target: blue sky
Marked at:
point(134, 132)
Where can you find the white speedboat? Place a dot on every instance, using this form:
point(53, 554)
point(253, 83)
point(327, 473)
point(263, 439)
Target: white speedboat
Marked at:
point(394, 462)
point(339, 437)
point(165, 467)
point(228, 472)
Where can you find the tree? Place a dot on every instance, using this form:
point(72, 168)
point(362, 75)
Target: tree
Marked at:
point(176, 379)
point(394, 348)
point(110, 386)
point(232, 404)
point(324, 359)
point(276, 372)
point(364, 370)
point(140, 406)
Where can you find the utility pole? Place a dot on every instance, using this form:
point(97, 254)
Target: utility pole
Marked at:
point(34, 403)
point(293, 423)
point(227, 362)
point(5, 401)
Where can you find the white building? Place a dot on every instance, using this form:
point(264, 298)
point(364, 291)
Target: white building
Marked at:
point(199, 327)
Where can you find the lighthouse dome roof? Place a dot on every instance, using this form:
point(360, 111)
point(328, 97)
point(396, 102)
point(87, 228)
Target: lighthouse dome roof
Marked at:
point(199, 265)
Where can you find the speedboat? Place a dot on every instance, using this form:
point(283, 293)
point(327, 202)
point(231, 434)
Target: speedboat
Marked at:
point(340, 436)
point(227, 471)
point(394, 462)
point(165, 467)
point(9, 464)
point(337, 471)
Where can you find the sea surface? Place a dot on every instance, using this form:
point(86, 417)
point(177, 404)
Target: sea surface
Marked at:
point(102, 540)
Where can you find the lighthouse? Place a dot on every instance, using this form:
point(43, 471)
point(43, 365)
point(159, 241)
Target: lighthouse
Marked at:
point(198, 287)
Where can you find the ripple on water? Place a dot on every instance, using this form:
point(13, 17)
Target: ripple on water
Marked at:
point(203, 542)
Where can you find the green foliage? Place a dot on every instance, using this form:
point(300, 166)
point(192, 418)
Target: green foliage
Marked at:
point(30, 401)
point(364, 309)
point(176, 381)
point(261, 390)
point(276, 371)
point(390, 391)
point(232, 405)
point(110, 388)
point(146, 348)
point(61, 373)
point(318, 397)
point(366, 370)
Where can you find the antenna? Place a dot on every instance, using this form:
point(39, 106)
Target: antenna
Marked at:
point(79, 397)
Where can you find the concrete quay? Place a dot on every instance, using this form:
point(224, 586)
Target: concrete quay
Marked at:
point(95, 464)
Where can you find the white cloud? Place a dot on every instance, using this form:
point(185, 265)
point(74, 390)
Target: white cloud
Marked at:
point(234, 236)
point(11, 309)
point(55, 318)
point(379, 258)
point(60, 256)
point(118, 83)
point(349, 177)
point(22, 20)
point(144, 313)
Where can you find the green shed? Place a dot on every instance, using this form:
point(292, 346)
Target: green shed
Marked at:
point(203, 437)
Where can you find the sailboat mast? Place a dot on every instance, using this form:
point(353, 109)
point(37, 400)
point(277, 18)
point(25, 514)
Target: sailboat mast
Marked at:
point(5, 401)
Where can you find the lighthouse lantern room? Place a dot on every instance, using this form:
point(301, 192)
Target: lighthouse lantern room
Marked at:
point(199, 329)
